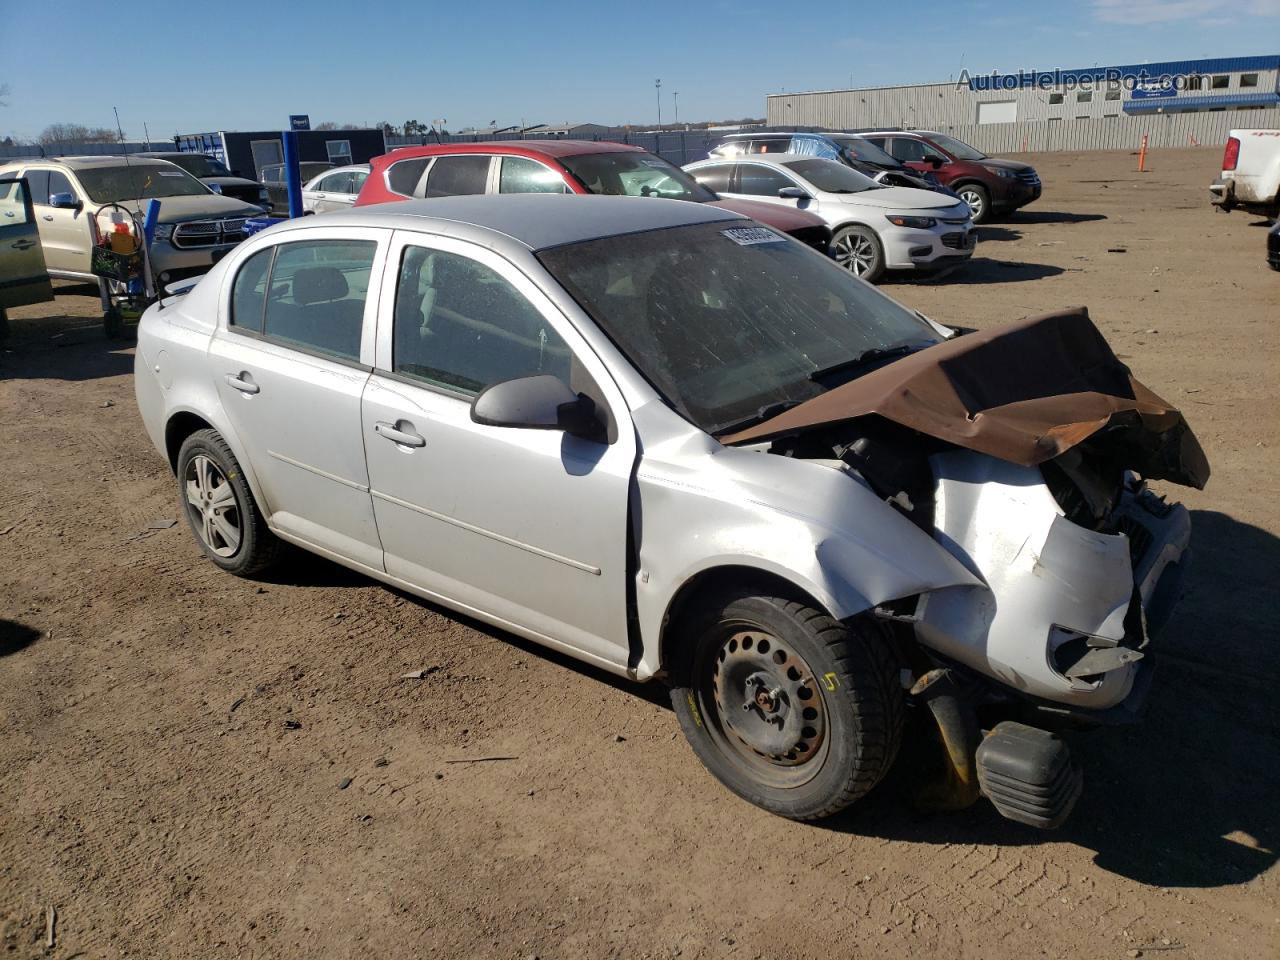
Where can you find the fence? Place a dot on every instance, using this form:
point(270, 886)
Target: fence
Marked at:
point(11, 151)
point(1112, 133)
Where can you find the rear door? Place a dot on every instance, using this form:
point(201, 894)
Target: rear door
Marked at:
point(23, 278)
point(290, 359)
point(525, 526)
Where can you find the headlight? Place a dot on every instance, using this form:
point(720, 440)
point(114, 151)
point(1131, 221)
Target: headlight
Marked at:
point(1001, 172)
point(164, 231)
point(919, 223)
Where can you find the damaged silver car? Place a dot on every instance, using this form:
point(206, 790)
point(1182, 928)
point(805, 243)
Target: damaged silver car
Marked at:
point(680, 446)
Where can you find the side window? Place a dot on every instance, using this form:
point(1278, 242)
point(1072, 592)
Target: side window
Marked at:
point(455, 176)
point(358, 178)
point(58, 183)
point(714, 178)
point(38, 183)
point(522, 175)
point(249, 293)
point(878, 141)
point(906, 150)
point(760, 181)
point(335, 183)
point(317, 291)
point(460, 325)
point(403, 176)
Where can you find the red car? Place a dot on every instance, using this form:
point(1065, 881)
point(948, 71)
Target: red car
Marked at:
point(560, 166)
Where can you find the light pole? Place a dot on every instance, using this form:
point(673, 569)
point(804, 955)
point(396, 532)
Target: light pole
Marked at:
point(657, 85)
point(675, 103)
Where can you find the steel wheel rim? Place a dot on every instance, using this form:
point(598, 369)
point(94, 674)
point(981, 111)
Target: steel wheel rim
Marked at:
point(770, 715)
point(974, 200)
point(211, 499)
point(856, 253)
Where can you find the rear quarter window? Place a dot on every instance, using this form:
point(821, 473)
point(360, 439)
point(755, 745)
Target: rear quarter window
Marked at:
point(404, 175)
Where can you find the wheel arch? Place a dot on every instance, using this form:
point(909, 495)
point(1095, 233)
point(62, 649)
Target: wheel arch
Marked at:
point(177, 428)
point(717, 579)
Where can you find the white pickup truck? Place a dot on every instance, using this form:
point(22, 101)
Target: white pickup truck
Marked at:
point(1250, 173)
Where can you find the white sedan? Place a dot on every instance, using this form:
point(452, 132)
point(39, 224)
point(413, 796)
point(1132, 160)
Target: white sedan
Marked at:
point(334, 189)
point(875, 228)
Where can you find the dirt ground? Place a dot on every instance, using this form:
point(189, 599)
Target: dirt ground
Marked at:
point(176, 741)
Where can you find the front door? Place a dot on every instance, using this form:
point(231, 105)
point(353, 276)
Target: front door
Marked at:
point(23, 279)
point(755, 181)
point(528, 527)
point(290, 368)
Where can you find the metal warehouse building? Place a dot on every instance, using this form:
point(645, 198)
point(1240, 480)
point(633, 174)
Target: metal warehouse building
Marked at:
point(1176, 103)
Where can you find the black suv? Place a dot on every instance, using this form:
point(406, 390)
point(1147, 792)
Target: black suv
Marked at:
point(213, 174)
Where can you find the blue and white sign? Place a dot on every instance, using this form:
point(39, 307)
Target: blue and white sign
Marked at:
point(299, 121)
point(1156, 88)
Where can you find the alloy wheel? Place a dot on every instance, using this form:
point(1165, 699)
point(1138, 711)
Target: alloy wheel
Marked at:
point(855, 253)
point(975, 201)
point(212, 502)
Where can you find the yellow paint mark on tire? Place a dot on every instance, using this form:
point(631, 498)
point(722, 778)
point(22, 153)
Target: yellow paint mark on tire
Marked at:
point(693, 708)
point(830, 680)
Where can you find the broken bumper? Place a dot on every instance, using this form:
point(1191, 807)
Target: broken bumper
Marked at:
point(1066, 612)
point(1222, 193)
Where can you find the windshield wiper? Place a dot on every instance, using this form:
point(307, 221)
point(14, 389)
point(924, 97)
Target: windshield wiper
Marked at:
point(866, 357)
point(767, 412)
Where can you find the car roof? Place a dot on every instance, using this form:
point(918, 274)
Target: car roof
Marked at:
point(533, 220)
point(767, 158)
point(545, 148)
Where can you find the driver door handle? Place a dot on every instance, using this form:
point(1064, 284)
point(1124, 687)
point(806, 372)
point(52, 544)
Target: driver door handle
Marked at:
point(242, 382)
point(23, 244)
point(392, 431)
point(49, 217)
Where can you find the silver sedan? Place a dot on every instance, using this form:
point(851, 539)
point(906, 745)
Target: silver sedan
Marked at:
point(645, 433)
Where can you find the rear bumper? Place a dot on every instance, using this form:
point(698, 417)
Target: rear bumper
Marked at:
point(1222, 193)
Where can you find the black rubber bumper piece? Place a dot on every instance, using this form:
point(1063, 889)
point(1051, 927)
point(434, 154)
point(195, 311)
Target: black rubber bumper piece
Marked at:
point(1028, 775)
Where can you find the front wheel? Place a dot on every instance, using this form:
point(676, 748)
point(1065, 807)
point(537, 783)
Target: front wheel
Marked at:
point(858, 250)
point(978, 199)
point(790, 709)
point(220, 507)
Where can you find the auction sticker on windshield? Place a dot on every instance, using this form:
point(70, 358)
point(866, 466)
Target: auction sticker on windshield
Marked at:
point(746, 236)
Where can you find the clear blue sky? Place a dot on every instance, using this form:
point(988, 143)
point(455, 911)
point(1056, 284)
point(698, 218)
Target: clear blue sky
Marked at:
point(225, 65)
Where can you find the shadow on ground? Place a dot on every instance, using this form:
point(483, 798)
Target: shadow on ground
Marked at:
point(16, 636)
point(983, 270)
point(58, 346)
point(1053, 216)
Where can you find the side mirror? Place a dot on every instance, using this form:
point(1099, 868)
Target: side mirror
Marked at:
point(64, 201)
point(933, 161)
point(537, 403)
point(793, 193)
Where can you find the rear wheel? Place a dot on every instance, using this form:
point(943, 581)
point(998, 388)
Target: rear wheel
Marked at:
point(220, 507)
point(790, 709)
point(978, 199)
point(858, 250)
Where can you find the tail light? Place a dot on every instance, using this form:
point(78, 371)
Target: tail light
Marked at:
point(1231, 155)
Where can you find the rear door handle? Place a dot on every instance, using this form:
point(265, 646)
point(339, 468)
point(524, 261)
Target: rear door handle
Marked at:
point(393, 432)
point(242, 382)
point(23, 244)
point(49, 217)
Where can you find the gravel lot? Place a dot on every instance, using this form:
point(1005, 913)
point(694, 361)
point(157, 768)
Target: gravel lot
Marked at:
point(156, 793)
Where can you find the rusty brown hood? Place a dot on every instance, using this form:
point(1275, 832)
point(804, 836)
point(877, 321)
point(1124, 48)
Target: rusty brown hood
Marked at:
point(1024, 392)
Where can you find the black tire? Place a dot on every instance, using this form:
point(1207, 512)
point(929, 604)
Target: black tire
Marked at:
point(4, 325)
point(113, 324)
point(851, 720)
point(848, 247)
point(978, 198)
point(257, 547)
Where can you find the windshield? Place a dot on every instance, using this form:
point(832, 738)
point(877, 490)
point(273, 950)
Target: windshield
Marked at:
point(635, 175)
point(957, 148)
point(866, 151)
point(198, 165)
point(832, 177)
point(728, 320)
point(138, 181)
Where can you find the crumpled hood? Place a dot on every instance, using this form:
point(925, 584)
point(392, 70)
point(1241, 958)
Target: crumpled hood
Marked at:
point(1024, 392)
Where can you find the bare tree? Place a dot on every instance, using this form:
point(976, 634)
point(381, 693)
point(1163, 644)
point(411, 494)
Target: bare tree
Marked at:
point(327, 125)
point(76, 133)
